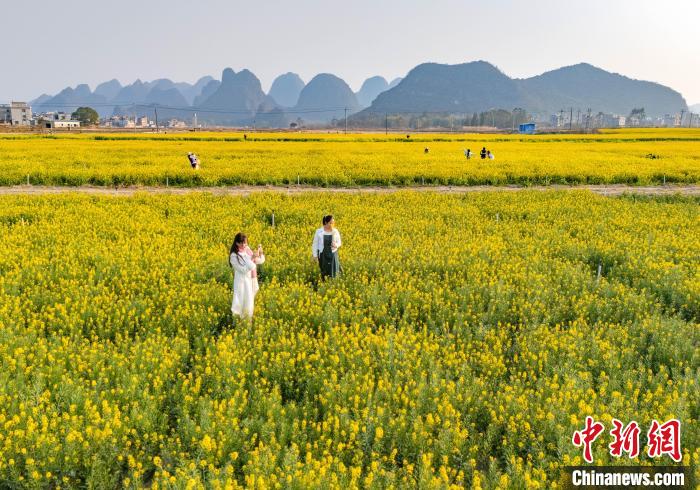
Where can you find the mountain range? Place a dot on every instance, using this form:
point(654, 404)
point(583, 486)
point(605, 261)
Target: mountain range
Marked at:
point(479, 86)
point(238, 99)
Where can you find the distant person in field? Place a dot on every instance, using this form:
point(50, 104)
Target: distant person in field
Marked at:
point(490, 155)
point(324, 248)
point(468, 154)
point(244, 263)
point(483, 153)
point(194, 161)
point(426, 150)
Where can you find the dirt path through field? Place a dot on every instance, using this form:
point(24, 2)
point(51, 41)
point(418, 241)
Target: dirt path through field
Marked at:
point(605, 190)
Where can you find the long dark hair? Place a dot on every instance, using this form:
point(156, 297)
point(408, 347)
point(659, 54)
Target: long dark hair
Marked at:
point(239, 239)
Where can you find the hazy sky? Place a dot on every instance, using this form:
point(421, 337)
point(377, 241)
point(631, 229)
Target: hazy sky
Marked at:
point(48, 45)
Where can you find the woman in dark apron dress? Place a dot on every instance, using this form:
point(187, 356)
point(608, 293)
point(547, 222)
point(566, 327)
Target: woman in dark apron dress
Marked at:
point(326, 244)
point(328, 259)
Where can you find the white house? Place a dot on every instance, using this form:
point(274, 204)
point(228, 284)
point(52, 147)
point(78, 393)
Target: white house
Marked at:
point(55, 116)
point(122, 122)
point(143, 122)
point(16, 114)
point(62, 124)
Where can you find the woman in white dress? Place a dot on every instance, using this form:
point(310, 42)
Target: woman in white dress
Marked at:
point(245, 280)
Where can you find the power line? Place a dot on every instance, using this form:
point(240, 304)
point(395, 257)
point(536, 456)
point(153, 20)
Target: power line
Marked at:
point(277, 111)
point(133, 105)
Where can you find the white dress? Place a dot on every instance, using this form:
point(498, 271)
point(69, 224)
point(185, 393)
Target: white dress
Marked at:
point(245, 284)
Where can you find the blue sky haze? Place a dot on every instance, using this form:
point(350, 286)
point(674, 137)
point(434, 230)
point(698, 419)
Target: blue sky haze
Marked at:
point(50, 45)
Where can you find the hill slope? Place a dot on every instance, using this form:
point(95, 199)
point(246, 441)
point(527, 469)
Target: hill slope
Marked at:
point(467, 87)
point(324, 98)
point(69, 99)
point(370, 89)
point(286, 89)
point(239, 100)
point(583, 86)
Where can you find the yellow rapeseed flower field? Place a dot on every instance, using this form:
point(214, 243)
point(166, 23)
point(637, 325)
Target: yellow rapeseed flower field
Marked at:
point(628, 157)
point(464, 344)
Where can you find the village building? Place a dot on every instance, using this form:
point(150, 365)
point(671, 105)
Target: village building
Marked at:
point(16, 114)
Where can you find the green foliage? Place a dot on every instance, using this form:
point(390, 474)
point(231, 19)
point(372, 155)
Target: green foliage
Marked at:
point(638, 112)
point(86, 115)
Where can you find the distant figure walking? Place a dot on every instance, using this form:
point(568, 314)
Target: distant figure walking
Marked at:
point(468, 154)
point(426, 150)
point(244, 263)
point(490, 155)
point(483, 153)
point(194, 160)
point(325, 248)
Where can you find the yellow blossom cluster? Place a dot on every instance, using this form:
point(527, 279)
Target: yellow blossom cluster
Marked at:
point(466, 340)
point(628, 157)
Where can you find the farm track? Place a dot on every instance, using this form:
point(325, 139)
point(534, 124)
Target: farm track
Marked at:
point(605, 190)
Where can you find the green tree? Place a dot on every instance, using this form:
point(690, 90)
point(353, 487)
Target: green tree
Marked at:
point(86, 115)
point(638, 112)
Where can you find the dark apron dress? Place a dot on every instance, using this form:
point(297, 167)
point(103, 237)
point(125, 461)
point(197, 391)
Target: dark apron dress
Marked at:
point(327, 259)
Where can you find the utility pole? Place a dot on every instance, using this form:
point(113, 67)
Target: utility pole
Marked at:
point(681, 121)
point(155, 109)
point(346, 120)
point(386, 123)
point(571, 117)
point(690, 120)
point(588, 118)
point(578, 118)
point(561, 118)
